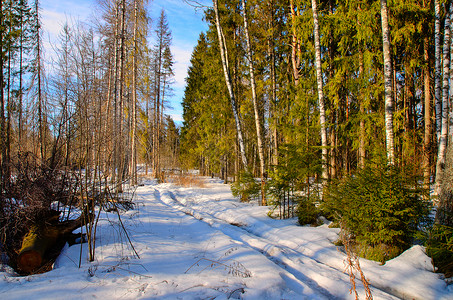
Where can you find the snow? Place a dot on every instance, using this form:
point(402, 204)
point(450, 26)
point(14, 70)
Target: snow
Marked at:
point(201, 243)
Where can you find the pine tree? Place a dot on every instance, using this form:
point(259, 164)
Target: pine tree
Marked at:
point(162, 62)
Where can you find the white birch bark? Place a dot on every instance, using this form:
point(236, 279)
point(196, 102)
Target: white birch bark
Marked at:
point(226, 72)
point(389, 136)
point(255, 106)
point(437, 67)
point(322, 111)
point(441, 154)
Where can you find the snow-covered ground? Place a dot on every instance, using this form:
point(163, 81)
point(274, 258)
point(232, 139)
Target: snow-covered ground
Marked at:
point(201, 243)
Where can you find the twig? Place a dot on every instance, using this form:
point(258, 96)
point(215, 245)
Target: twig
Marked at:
point(196, 4)
point(124, 228)
point(213, 262)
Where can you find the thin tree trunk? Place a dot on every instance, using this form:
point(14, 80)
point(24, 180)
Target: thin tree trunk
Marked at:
point(226, 71)
point(362, 134)
point(21, 50)
point(2, 108)
point(120, 153)
point(42, 138)
point(274, 106)
point(427, 145)
point(116, 63)
point(389, 136)
point(133, 166)
point(8, 117)
point(437, 74)
point(322, 111)
point(258, 124)
point(273, 149)
point(295, 60)
point(157, 114)
point(445, 107)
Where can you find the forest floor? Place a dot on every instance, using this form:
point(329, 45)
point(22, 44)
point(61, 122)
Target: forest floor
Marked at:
point(202, 243)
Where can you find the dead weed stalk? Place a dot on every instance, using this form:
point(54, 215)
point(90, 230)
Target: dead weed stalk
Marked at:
point(353, 266)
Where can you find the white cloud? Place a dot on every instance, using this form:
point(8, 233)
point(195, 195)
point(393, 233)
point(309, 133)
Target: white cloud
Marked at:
point(177, 117)
point(53, 21)
point(182, 57)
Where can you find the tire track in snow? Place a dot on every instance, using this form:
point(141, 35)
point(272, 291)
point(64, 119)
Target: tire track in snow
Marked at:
point(292, 282)
point(315, 274)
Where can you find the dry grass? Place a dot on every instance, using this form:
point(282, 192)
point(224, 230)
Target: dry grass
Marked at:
point(187, 180)
point(180, 179)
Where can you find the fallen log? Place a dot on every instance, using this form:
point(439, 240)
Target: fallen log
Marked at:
point(34, 246)
point(40, 239)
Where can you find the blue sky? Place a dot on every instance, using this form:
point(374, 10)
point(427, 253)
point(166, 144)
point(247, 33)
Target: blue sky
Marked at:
point(184, 21)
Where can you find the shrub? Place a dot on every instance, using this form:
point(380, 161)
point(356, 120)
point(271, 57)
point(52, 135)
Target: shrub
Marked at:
point(439, 247)
point(246, 187)
point(307, 212)
point(439, 239)
point(381, 207)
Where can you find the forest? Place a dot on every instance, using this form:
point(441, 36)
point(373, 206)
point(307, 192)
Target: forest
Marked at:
point(341, 109)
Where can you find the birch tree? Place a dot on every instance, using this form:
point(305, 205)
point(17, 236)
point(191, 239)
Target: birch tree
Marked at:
point(322, 111)
point(443, 138)
point(226, 71)
point(388, 90)
point(258, 124)
point(437, 68)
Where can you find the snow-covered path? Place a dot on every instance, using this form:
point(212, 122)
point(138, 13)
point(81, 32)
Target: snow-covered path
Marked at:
point(201, 243)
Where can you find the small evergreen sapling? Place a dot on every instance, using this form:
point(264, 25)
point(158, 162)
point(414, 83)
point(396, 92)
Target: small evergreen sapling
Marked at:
point(381, 207)
point(246, 187)
point(440, 237)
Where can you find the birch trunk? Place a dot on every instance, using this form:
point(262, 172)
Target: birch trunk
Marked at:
point(229, 84)
point(445, 107)
point(258, 124)
point(389, 137)
point(437, 74)
point(322, 111)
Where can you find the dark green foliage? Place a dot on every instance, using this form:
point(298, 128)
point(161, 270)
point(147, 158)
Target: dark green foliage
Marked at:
point(380, 206)
point(439, 239)
point(439, 247)
point(307, 212)
point(246, 187)
point(290, 187)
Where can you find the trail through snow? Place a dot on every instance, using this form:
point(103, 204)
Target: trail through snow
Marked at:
point(201, 243)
